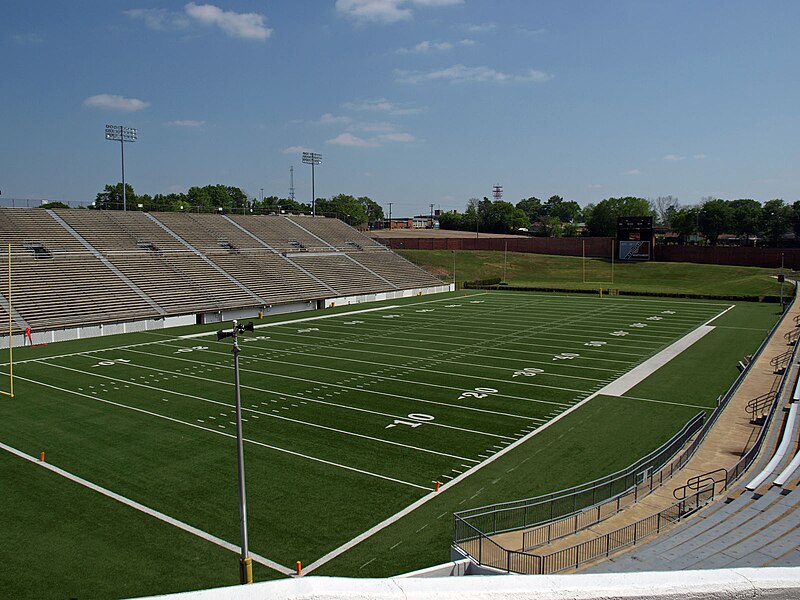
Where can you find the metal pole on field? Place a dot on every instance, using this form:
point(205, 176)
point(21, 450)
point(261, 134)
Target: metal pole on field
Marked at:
point(455, 285)
point(245, 562)
point(781, 279)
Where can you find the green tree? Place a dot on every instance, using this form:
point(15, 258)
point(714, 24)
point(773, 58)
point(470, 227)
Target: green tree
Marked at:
point(683, 221)
point(373, 209)
point(714, 219)
point(502, 217)
point(551, 226)
point(746, 216)
point(111, 197)
point(347, 208)
point(776, 219)
point(451, 220)
point(532, 207)
point(214, 197)
point(796, 218)
point(602, 218)
point(566, 211)
point(53, 205)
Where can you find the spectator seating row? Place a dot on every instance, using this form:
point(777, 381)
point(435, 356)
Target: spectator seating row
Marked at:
point(74, 267)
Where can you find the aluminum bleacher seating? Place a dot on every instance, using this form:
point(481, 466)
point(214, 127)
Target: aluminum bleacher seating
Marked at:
point(79, 267)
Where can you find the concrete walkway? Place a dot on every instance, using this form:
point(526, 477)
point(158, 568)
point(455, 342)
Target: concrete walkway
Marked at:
point(732, 435)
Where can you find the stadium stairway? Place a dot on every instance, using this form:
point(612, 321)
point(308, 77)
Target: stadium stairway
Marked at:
point(751, 530)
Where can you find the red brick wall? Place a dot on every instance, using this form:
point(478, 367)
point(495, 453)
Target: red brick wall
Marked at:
point(601, 247)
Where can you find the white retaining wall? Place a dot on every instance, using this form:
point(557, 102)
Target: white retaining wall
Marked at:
point(89, 331)
point(722, 584)
point(358, 298)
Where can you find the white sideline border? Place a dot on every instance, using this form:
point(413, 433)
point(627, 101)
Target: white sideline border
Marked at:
point(293, 321)
point(146, 510)
point(615, 388)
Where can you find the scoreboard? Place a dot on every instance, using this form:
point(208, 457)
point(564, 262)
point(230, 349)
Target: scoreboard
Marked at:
point(635, 238)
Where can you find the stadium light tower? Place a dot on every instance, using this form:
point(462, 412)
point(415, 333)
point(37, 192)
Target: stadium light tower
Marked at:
point(245, 562)
point(312, 158)
point(118, 133)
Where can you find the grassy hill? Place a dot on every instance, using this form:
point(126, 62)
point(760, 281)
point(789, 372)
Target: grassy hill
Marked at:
point(518, 269)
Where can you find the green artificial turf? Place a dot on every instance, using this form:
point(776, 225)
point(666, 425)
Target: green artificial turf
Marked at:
point(350, 419)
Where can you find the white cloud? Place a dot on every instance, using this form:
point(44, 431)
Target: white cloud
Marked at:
point(396, 137)
point(633, 172)
point(112, 102)
point(387, 11)
point(531, 32)
point(348, 139)
point(480, 27)
point(381, 105)
point(699, 156)
point(673, 157)
point(158, 19)
point(297, 150)
point(329, 119)
point(248, 26)
point(27, 39)
point(426, 47)
point(463, 74)
point(186, 123)
point(374, 127)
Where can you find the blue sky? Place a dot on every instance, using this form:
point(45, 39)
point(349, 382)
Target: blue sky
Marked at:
point(409, 101)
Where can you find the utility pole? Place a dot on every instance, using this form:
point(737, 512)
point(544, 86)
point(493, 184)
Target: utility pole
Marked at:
point(390, 215)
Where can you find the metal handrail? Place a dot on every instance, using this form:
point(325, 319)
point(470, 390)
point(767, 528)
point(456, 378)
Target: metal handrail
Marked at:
point(701, 481)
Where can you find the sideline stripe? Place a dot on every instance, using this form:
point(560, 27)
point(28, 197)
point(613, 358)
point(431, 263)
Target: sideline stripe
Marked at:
point(147, 510)
point(229, 435)
point(643, 370)
point(291, 322)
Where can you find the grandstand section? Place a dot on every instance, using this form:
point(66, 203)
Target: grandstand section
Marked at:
point(74, 268)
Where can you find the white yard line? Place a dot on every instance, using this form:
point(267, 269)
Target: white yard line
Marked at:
point(262, 413)
point(229, 435)
point(643, 370)
point(355, 389)
point(146, 510)
point(303, 320)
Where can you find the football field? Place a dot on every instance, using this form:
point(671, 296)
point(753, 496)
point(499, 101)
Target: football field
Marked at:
point(349, 416)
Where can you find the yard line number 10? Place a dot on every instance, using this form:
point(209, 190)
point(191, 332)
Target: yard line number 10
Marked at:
point(414, 420)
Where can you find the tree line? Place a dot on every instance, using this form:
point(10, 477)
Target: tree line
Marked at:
point(225, 198)
point(746, 219)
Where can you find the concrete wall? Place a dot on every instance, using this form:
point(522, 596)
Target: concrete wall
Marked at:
point(723, 584)
point(359, 298)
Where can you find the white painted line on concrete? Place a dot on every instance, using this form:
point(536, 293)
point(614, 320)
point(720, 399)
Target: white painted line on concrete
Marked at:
point(146, 510)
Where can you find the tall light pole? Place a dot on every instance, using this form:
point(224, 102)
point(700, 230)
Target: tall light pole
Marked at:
point(312, 158)
point(118, 133)
point(245, 562)
point(390, 215)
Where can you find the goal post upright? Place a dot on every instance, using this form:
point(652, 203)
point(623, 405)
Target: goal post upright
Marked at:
point(10, 391)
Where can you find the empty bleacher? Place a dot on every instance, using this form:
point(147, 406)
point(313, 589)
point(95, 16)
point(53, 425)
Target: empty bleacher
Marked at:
point(81, 267)
point(71, 289)
point(341, 273)
point(336, 233)
point(400, 272)
point(282, 233)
